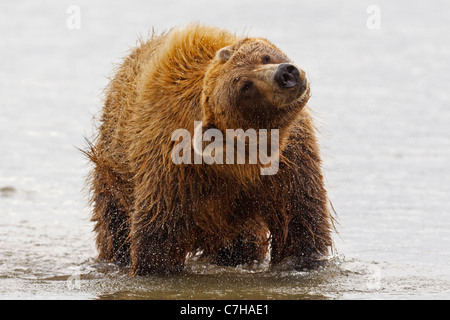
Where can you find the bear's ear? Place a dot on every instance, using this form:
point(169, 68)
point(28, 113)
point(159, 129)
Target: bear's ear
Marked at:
point(224, 54)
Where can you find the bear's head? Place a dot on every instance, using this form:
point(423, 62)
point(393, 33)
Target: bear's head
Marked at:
point(252, 84)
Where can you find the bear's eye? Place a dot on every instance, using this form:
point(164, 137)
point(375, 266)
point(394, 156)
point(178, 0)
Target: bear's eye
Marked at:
point(246, 86)
point(266, 59)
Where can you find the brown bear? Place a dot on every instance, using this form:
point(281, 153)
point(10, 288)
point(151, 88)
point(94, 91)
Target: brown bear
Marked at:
point(153, 213)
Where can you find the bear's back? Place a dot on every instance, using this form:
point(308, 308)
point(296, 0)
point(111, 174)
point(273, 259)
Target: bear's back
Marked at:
point(155, 91)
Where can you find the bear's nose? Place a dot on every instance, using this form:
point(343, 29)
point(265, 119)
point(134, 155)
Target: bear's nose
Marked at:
point(287, 76)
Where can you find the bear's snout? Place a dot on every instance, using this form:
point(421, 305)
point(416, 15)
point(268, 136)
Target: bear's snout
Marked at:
point(287, 76)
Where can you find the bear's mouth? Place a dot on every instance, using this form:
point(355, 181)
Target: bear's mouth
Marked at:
point(304, 92)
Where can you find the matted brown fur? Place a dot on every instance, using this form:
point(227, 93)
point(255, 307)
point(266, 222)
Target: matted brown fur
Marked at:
point(152, 213)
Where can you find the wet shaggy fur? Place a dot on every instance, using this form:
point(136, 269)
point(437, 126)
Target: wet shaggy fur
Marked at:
point(151, 213)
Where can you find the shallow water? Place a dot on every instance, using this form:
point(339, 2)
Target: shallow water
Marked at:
point(380, 98)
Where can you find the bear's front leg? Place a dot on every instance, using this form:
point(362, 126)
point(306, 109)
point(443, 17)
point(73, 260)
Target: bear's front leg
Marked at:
point(301, 222)
point(156, 249)
point(306, 237)
point(305, 243)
